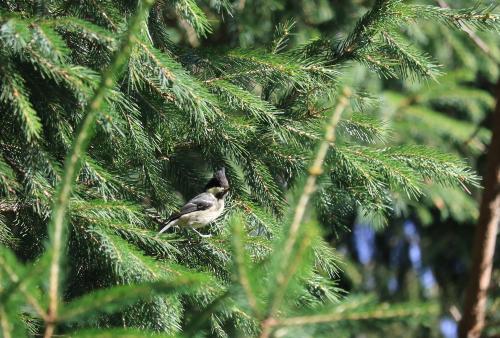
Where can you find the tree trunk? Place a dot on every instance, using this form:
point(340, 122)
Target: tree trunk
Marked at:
point(472, 322)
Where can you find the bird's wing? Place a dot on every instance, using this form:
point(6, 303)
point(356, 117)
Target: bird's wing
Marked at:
point(200, 202)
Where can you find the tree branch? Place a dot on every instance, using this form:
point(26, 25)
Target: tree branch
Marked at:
point(73, 162)
point(473, 315)
point(483, 46)
point(314, 171)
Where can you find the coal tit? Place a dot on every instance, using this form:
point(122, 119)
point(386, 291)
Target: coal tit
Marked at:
point(203, 208)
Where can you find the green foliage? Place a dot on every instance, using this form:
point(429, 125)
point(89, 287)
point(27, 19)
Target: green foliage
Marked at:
point(89, 163)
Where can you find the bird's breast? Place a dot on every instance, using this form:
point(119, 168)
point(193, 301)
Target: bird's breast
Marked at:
point(198, 219)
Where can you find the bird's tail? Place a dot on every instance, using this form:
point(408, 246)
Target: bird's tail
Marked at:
point(166, 227)
point(160, 220)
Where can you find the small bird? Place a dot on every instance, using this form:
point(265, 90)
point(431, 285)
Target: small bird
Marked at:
point(203, 208)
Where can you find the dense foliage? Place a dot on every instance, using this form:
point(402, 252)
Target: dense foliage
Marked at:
point(168, 110)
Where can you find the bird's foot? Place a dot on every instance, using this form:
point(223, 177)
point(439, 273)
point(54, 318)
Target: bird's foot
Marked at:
point(199, 233)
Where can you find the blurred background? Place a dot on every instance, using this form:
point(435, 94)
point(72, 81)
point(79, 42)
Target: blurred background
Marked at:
point(424, 251)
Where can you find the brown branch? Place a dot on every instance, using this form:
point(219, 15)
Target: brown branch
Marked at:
point(473, 315)
point(191, 34)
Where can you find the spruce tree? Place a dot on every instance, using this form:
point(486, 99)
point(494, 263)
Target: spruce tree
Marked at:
point(90, 164)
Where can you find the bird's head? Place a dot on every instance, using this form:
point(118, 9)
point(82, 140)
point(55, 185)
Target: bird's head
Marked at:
point(218, 185)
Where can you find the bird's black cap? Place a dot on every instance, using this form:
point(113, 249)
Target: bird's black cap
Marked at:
point(218, 180)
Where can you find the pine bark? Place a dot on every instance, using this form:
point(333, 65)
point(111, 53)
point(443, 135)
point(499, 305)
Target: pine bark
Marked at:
point(473, 316)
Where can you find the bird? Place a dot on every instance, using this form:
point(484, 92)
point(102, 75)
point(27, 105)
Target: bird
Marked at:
point(203, 208)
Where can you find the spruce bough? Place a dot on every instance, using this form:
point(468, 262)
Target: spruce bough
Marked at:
point(163, 117)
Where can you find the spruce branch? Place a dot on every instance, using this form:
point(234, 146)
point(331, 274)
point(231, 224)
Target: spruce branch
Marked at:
point(435, 166)
point(412, 62)
point(118, 332)
point(166, 76)
point(19, 284)
point(282, 35)
point(477, 16)
point(4, 323)
point(373, 162)
point(110, 299)
point(14, 93)
point(194, 15)
point(84, 29)
point(242, 99)
point(314, 171)
point(241, 264)
point(365, 128)
point(73, 163)
point(8, 182)
point(6, 236)
point(49, 42)
point(380, 312)
point(383, 15)
point(476, 39)
point(146, 239)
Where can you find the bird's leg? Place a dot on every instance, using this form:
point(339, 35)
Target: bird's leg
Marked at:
point(199, 233)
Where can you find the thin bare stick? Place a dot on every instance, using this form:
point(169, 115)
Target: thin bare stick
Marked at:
point(310, 186)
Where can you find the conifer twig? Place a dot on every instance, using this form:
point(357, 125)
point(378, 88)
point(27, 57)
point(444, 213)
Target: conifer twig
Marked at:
point(73, 161)
point(314, 171)
point(20, 285)
point(4, 324)
point(383, 312)
point(242, 272)
point(483, 46)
